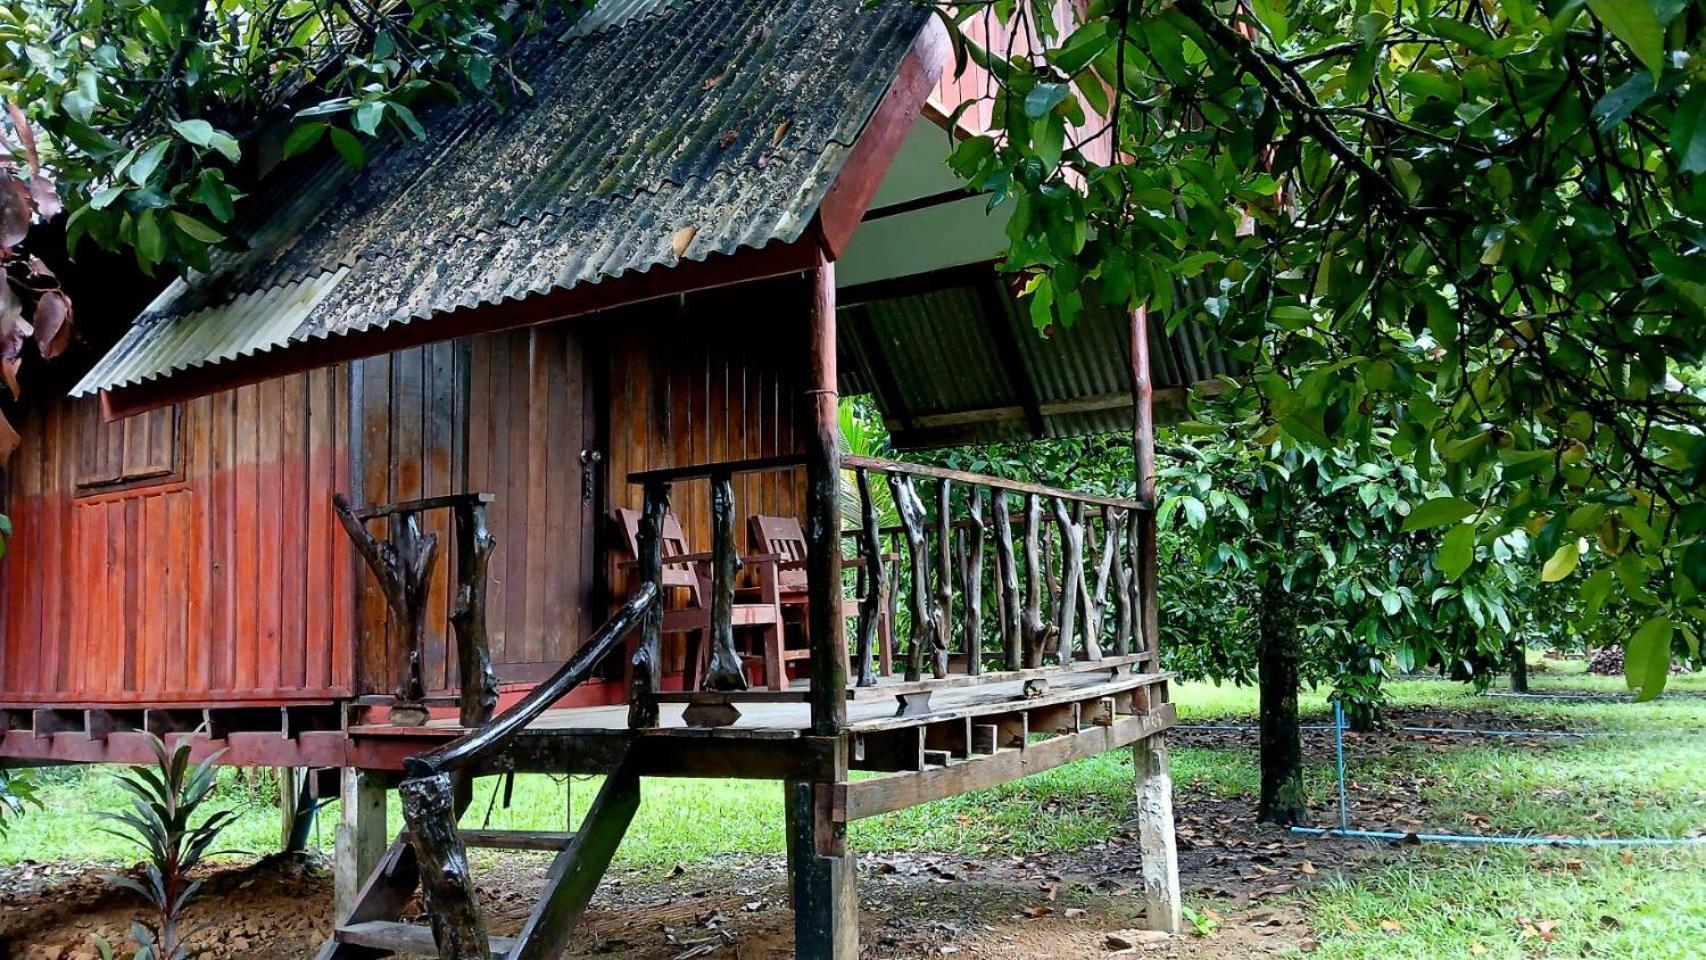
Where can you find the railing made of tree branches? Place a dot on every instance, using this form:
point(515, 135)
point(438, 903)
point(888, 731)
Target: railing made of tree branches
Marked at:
point(1065, 571)
point(1055, 562)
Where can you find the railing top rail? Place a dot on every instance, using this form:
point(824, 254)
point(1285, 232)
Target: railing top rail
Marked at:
point(375, 511)
point(698, 471)
point(784, 461)
point(979, 479)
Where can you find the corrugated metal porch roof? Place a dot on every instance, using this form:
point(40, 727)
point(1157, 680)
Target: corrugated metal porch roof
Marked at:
point(959, 362)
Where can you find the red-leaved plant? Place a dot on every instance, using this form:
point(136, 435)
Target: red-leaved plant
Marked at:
point(32, 305)
point(165, 799)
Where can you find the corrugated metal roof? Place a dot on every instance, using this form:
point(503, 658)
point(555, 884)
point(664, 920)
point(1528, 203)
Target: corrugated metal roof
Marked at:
point(729, 116)
point(963, 364)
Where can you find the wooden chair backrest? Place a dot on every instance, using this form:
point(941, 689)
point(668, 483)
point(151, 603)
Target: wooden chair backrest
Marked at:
point(674, 545)
point(783, 537)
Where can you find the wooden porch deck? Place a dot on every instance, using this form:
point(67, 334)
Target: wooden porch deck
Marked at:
point(976, 732)
point(785, 714)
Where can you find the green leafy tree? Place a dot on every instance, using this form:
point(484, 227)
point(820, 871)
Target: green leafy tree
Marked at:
point(152, 116)
point(1312, 542)
point(1483, 220)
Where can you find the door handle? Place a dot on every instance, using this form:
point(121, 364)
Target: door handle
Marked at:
point(590, 459)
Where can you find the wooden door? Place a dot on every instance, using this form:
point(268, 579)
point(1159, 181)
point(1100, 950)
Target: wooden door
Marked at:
point(532, 441)
point(507, 414)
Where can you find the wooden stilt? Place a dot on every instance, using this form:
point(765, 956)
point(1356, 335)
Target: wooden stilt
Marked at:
point(361, 837)
point(1155, 833)
point(821, 870)
point(296, 809)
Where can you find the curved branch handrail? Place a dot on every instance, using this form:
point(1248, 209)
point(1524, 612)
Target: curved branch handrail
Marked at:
point(478, 744)
point(853, 462)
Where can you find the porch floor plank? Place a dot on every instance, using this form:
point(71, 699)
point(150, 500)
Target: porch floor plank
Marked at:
point(766, 720)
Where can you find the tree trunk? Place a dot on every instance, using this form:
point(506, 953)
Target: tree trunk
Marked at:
point(1282, 799)
point(1519, 665)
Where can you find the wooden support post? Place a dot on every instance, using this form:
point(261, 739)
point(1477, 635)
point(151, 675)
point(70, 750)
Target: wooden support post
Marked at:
point(1156, 839)
point(1007, 569)
point(822, 870)
point(295, 808)
point(876, 579)
point(971, 576)
point(403, 568)
point(1143, 455)
point(645, 672)
point(361, 836)
point(447, 883)
point(478, 684)
point(944, 579)
point(822, 434)
point(727, 672)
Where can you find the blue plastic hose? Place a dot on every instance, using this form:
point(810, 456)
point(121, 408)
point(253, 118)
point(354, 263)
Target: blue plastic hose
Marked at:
point(1522, 841)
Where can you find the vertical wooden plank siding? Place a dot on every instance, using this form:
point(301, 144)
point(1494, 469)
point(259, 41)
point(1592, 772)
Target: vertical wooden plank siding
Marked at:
point(213, 581)
point(500, 414)
point(713, 378)
point(226, 578)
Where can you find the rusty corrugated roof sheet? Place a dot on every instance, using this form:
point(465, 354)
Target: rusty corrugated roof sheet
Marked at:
point(729, 116)
point(962, 364)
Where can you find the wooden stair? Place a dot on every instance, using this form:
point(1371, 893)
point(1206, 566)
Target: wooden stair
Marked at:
point(404, 939)
point(376, 928)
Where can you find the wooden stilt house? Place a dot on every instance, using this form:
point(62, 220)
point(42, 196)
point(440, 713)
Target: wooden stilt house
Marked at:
point(517, 449)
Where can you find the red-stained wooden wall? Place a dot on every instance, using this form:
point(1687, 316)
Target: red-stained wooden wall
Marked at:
point(188, 554)
point(191, 554)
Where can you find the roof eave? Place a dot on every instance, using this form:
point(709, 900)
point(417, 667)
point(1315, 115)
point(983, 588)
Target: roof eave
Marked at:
point(743, 266)
point(908, 96)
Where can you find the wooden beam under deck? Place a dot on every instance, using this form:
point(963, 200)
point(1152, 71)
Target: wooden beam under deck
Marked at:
point(973, 736)
point(897, 791)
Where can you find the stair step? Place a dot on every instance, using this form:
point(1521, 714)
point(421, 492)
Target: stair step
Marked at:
point(509, 839)
point(517, 839)
point(406, 938)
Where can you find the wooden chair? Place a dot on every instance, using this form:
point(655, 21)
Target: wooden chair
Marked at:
point(686, 591)
point(784, 539)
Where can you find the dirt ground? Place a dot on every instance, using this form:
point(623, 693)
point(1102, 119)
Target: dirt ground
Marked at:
point(1086, 904)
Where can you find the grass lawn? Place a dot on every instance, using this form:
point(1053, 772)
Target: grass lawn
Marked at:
point(1646, 779)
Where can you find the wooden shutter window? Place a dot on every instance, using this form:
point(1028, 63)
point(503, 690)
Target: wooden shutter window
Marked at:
point(129, 451)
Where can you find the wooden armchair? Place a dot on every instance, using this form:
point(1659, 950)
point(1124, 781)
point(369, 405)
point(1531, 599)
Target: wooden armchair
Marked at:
point(784, 539)
point(686, 588)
